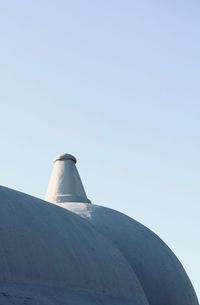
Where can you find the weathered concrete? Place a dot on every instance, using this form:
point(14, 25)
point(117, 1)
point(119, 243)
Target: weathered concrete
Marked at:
point(161, 275)
point(15, 294)
point(44, 245)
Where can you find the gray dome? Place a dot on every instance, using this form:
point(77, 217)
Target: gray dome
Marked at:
point(82, 254)
point(52, 254)
point(161, 275)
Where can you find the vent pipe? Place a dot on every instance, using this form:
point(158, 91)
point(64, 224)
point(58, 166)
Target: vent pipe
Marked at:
point(65, 183)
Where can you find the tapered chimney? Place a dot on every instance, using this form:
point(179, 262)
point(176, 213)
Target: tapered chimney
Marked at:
point(65, 183)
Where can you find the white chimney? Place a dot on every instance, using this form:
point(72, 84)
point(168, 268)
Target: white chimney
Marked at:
point(65, 183)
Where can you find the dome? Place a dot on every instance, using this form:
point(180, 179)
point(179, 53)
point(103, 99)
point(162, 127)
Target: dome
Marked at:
point(49, 255)
point(160, 273)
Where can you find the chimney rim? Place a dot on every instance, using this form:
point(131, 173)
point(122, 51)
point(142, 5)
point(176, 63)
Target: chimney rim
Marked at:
point(65, 157)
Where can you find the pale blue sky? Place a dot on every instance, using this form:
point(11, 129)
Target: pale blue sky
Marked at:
point(117, 84)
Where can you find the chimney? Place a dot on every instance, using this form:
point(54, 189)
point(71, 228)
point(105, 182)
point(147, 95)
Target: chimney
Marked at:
point(65, 183)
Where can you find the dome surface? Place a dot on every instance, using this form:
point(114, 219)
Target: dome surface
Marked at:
point(48, 253)
point(161, 275)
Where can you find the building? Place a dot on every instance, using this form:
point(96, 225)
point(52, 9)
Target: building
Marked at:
point(66, 250)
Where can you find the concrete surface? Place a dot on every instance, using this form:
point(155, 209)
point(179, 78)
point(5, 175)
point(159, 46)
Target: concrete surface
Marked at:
point(161, 275)
point(44, 245)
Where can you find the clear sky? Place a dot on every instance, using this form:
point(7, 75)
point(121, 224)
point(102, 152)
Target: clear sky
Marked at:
point(117, 84)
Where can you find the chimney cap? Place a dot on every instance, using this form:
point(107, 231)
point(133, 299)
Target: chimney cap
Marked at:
point(65, 157)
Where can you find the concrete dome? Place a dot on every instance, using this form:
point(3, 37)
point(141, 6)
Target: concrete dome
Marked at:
point(49, 255)
point(160, 273)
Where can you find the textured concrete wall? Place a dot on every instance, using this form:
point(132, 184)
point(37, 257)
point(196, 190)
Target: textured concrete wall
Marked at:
point(12, 294)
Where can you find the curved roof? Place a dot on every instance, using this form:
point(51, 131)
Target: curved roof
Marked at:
point(44, 245)
point(161, 275)
point(51, 255)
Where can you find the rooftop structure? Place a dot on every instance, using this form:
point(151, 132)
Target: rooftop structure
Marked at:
point(65, 183)
point(66, 250)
